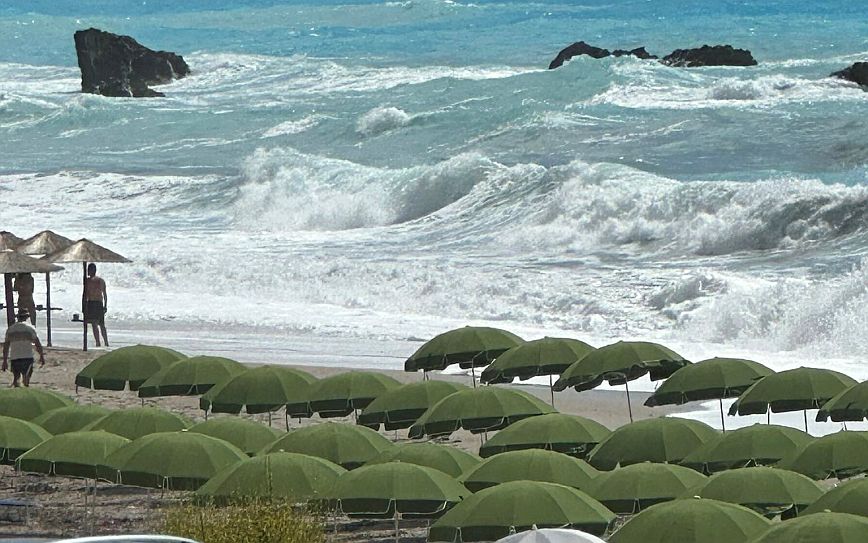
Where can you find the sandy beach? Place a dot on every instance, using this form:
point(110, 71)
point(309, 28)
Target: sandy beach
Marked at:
point(58, 504)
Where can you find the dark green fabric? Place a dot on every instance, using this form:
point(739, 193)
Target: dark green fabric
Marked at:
point(136, 422)
point(346, 445)
point(710, 379)
point(18, 436)
point(131, 365)
point(190, 376)
point(568, 434)
point(759, 444)
point(73, 454)
point(450, 460)
point(821, 527)
point(632, 488)
point(848, 497)
point(70, 419)
point(469, 346)
point(27, 403)
point(530, 465)
point(401, 407)
point(839, 455)
point(850, 404)
point(546, 356)
point(260, 390)
point(768, 491)
point(247, 435)
point(791, 390)
point(341, 394)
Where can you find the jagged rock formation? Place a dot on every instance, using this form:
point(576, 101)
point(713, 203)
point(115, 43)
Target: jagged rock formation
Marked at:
point(857, 73)
point(113, 65)
point(582, 48)
point(717, 55)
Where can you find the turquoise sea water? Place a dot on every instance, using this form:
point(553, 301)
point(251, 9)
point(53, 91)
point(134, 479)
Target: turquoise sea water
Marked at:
point(384, 170)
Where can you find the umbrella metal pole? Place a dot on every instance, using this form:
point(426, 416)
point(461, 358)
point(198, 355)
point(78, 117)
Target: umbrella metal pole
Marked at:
point(48, 308)
point(552, 390)
point(84, 305)
point(397, 529)
point(805, 412)
point(473, 373)
point(629, 407)
point(10, 309)
point(722, 422)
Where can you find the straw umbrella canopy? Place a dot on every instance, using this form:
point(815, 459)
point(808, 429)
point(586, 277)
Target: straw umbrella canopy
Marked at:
point(247, 435)
point(839, 455)
point(28, 403)
point(450, 460)
point(262, 389)
point(478, 410)
point(344, 393)
point(799, 389)
point(663, 440)
point(712, 379)
point(281, 475)
point(128, 366)
point(568, 434)
point(347, 445)
point(849, 497)
point(190, 376)
point(755, 445)
point(17, 437)
point(768, 491)
point(517, 506)
point(692, 521)
point(72, 418)
point(530, 465)
point(12, 262)
point(631, 489)
point(619, 363)
point(74, 454)
point(551, 535)
point(140, 421)
point(825, 527)
point(850, 404)
point(401, 407)
point(546, 356)
point(8, 241)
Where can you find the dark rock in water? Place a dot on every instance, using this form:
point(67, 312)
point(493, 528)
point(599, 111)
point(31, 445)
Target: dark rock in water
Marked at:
point(639, 52)
point(113, 65)
point(857, 73)
point(718, 55)
point(582, 48)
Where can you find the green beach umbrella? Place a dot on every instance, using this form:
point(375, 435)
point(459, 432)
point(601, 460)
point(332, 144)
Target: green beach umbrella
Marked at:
point(839, 455)
point(190, 376)
point(286, 476)
point(470, 346)
point(755, 445)
point(136, 422)
point(347, 445)
point(768, 491)
point(712, 379)
point(792, 390)
point(28, 403)
point(261, 390)
point(619, 363)
point(530, 465)
point(692, 521)
point(850, 404)
point(450, 460)
point(128, 366)
point(344, 393)
point(663, 440)
point(170, 460)
point(73, 454)
point(820, 528)
point(496, 512)
point(479, 410)
point(247, 435)
point(632, 488)
point(402, 406)
point(18, 436)
point(72, 418)
point(849, 497)
point(546, 356)
point(568, 434)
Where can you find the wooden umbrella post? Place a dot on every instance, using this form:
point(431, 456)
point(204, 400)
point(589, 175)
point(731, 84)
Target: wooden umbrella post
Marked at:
point(48, 308)
point(84, 305)
point(10, 308)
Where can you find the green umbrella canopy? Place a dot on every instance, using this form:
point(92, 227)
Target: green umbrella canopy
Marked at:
point(839, 455)
point(569, 434)
point(849, 404)
point(849, 497)
point(820, 528)
point(768, 491)
point(190, 376)
point(73, 454)
point(341, 394)
point(72, 418)
point(530, 465)
point(791, 390)
point(755, 445)
point(171, 460)
point(546, 356)
point(621, 362)
point(632, 488)
point(247, 435)
point(131, 366)
point(692, 521)
point(381, 490)
point(479, 410)
point(450, 460)
point(496, 512)
point(664, 440)
point(288, 476)
point(710, 379)
point(18, 436)
point(469, 346)
point(402, 406)
point(260, 390)
point(28, 403)
point(347, 445)
point(140, 421)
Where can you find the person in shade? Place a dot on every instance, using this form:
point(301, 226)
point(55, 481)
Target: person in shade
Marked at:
point(18, 349)
point(94, 303)
point(24, 286)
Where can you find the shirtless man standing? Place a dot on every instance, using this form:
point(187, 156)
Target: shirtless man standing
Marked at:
point(24, 286)
point(94, 303)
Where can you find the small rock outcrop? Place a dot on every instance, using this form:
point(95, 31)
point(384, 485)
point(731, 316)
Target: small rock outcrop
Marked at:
point(707, 55)
point(857, 73)
point(582, 48)
point(113, 65)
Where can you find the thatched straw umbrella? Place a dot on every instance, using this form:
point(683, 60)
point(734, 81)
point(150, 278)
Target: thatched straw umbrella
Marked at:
point(8, 240)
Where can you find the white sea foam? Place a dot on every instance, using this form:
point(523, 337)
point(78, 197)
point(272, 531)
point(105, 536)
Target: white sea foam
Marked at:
point(382, 119)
